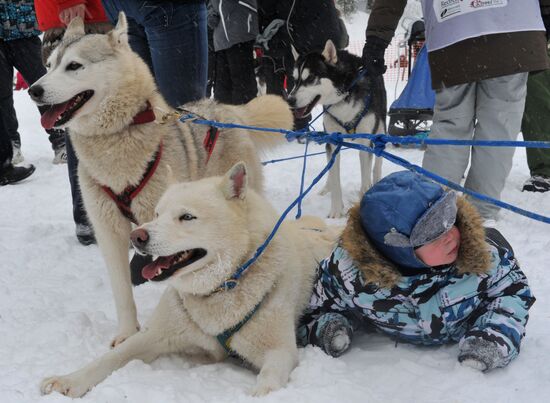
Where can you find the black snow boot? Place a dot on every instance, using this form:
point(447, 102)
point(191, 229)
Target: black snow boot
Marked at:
point(10, 174)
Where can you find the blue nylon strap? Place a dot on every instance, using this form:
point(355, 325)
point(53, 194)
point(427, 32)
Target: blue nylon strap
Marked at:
point(224, 338)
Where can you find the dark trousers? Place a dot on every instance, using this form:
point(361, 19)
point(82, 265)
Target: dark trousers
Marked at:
point(24, 55)
point(536, 122)
point(235, 79)
point(170, 36)
point(79, 213)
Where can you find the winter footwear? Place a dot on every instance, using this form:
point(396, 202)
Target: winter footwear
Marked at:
point(11, 174)
point(85, 234)
point(17, 155)
point(334, 334)
point(537, 183)
point(60, 155)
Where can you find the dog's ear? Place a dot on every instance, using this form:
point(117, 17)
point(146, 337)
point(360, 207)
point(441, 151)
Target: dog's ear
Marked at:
point(295, 53)
point(119, 34)
point(329, 53)
point(75, 29)
point(235, 182)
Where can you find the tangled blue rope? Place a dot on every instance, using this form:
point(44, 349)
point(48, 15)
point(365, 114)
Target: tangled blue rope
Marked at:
point(379, 141)
point(233, 280)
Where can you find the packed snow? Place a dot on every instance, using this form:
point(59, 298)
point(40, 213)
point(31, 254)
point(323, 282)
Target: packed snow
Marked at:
point(57, 311)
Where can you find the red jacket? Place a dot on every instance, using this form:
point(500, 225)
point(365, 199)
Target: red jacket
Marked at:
point(47, 12)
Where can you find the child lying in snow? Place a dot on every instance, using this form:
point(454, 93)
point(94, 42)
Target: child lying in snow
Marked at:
point(415, 263)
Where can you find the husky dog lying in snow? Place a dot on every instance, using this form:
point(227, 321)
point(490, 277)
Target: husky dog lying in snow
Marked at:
point(353, 106)
point(106, 96)
point(203, 232)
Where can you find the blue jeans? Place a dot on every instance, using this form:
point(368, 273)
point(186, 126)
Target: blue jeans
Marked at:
point(171, 37)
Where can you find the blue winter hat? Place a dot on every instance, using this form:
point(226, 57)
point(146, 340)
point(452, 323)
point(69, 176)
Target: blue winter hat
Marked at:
point(404, 211)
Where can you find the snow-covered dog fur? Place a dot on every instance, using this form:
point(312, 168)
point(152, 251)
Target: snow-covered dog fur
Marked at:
point(95, 86)
point(329, 78)
point(211, 227)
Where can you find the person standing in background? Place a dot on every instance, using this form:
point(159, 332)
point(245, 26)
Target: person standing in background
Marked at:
point(536, 120)
point(304, 24)
point(53, 17)
point(20, 49)
point(480, 55)
point(235, 27)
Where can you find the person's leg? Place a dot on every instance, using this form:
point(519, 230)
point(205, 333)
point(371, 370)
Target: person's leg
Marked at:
point(454, 113)
point(8, 118)
point(176, 32)
point(499, 109)
point(8, 173)
point(84, 231)
point(211, 64)
point(27, 59)
point(274, 75)
point(136, 33)
point(536, 122)
point(224, 84)
point(241, 68)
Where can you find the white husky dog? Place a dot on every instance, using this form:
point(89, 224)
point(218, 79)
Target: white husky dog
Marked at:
point(205, 230)
point(106, 96)
point(354, 105)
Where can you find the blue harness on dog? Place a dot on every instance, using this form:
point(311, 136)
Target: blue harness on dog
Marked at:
point(351, 126)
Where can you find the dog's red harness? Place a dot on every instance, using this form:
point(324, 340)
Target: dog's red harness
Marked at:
point(145, 116)
point(124, 200)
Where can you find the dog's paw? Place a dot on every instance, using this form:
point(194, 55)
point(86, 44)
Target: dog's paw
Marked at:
point(336, 212)
point(64, 385)
point(123, 335)
point(262, 388)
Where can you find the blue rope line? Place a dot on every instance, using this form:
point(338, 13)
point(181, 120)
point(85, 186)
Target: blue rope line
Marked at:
point(298, 156)
point(379, 151)
point(232, 281)
point(323, 137)
point(380, 141)
point(299, 212)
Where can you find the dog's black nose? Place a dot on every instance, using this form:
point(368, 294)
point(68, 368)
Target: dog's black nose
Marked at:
point(36, 92)
point(291, 101)
point(139, 237)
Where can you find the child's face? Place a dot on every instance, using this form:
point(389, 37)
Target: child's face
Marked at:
point(444, 250)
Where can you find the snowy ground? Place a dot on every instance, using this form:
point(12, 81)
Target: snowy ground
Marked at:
point(57, 311)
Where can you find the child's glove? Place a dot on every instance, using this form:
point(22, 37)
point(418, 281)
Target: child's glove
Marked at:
point(334, 334)
point(480, 354)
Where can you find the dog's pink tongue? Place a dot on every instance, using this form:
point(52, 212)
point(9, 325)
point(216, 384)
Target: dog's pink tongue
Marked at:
point(152, 269)
point(50, 116)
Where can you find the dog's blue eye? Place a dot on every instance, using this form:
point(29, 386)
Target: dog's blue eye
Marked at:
point(187, 217)
point(73, 66)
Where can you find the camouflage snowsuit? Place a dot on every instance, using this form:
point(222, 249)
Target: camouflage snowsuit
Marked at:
point(434, 306)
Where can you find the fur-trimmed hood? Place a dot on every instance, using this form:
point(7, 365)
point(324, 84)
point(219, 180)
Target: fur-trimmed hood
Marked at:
point(473, 256)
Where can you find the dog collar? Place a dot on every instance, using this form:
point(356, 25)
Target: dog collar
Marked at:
point(124, 200)
point(145, 116)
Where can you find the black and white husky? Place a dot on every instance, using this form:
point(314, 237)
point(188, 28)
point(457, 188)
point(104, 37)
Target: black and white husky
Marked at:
point(353, 104)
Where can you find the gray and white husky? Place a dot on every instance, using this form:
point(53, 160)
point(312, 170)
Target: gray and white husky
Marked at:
point(105, 95)
point(353, 105)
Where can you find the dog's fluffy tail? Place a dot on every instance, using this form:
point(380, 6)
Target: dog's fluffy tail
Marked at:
point(268, 111)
